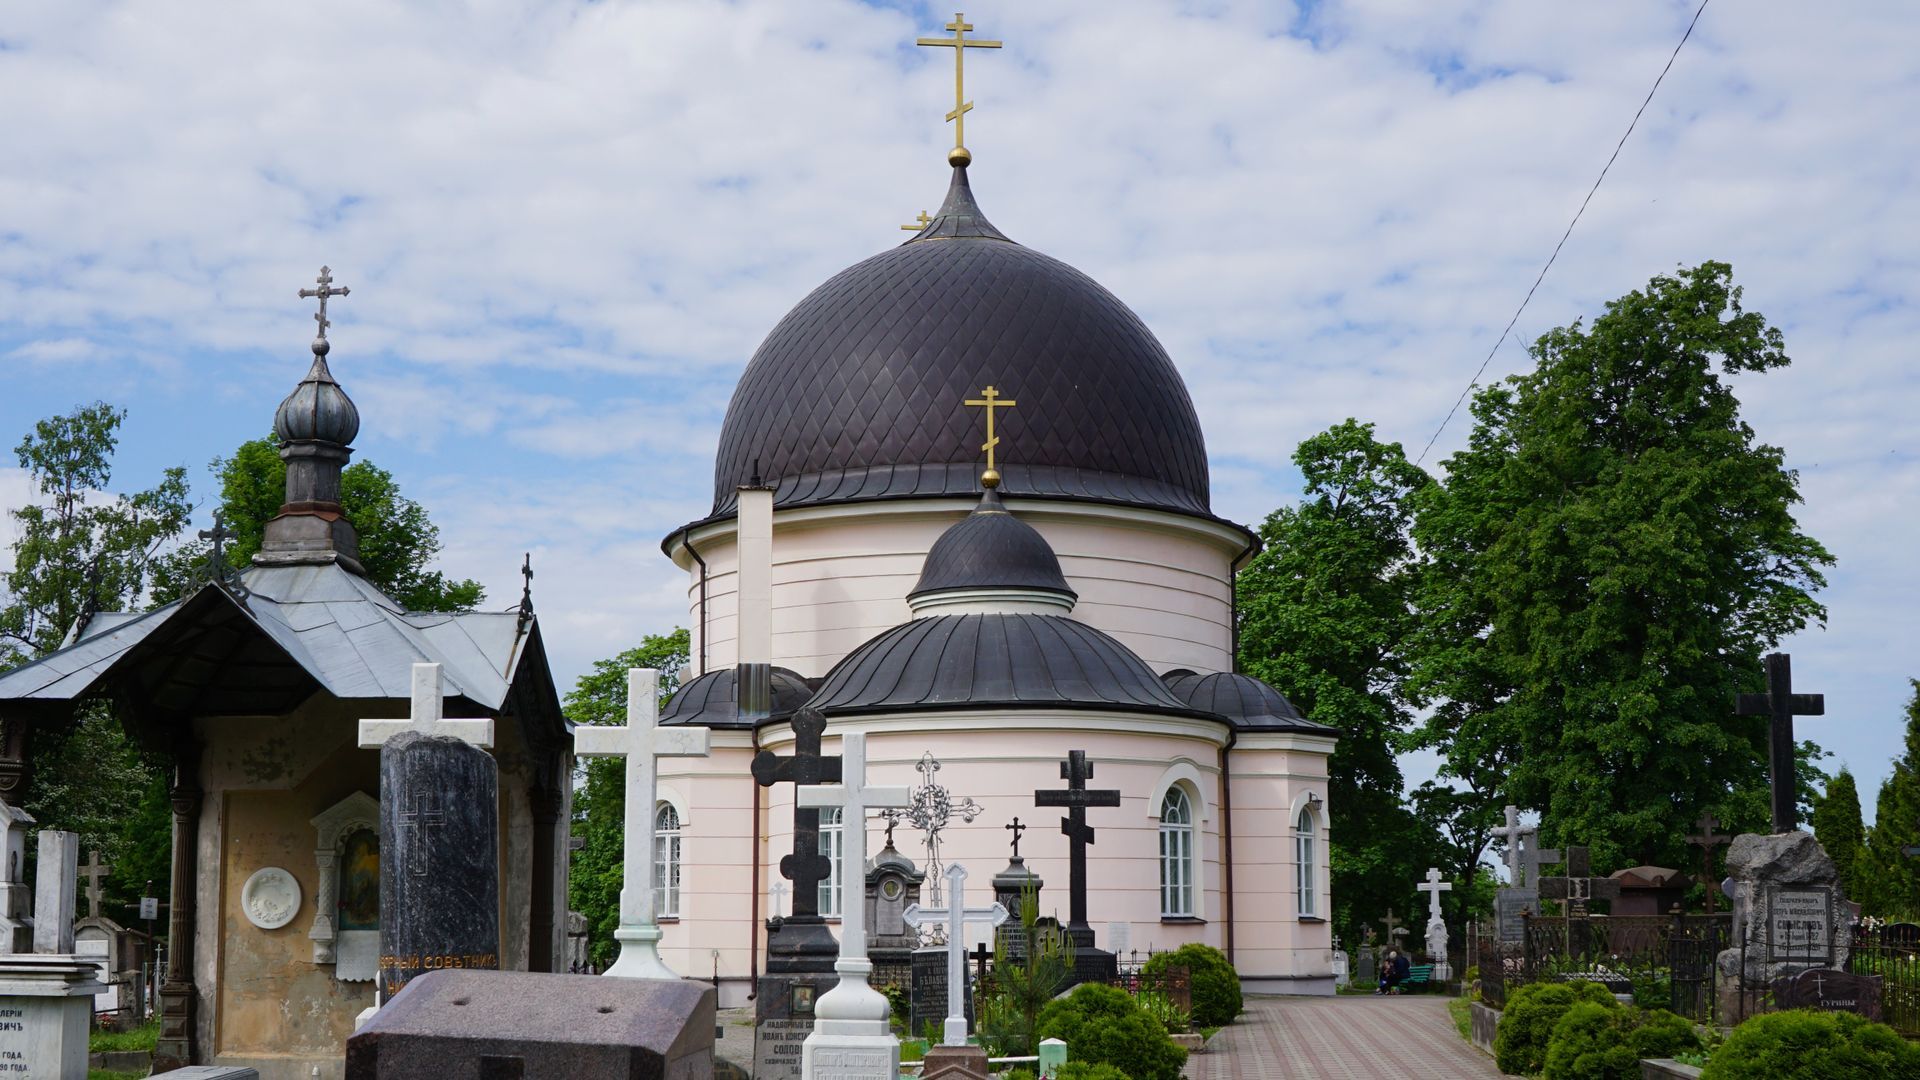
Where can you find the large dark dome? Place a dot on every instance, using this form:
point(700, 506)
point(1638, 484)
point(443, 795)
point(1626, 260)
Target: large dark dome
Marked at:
point(858, 393)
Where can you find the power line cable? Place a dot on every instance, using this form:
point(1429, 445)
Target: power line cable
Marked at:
point(1475, 381)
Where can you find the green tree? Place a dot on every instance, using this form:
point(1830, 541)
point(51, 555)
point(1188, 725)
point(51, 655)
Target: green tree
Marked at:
point(1837, 825)
point(1324, 617)
point(1612, 553)
point(600, 803)
point(1890, 879)
point(1019, 989)
point(397, 538)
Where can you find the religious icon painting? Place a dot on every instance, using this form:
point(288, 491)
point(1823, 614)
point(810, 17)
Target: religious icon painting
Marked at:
point(360, 881)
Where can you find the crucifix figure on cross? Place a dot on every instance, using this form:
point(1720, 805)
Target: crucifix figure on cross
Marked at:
point(1780, 705)
point(93, 870)
point(642, 742)
point(1076, 771)
point(956, 915)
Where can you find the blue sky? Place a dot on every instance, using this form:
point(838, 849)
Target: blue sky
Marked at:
point(567, 226)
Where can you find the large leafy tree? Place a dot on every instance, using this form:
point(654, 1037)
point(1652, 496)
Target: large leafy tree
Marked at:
point(1889, 878)
point(1837, 825)
point(1612, 553)
point(1324, 617)
point(398, 541)
point(600, 802)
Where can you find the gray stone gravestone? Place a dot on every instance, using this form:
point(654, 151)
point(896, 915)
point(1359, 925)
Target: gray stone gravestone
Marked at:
point(1364, 970)
point(1789, 913)
point(1832, 991)
point(500, 1025)
point(439, 858)
point(54, 892)
point(46, 1006)
point(1508, 904)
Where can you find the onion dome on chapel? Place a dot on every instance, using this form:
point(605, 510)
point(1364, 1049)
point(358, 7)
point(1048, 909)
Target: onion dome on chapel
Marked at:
point(990, 551)
point(857, 393)
point(1246, 702)
point(317, 409)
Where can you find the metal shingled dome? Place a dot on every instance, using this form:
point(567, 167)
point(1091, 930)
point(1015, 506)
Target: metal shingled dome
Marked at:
point(858, 392)
point(991, 548)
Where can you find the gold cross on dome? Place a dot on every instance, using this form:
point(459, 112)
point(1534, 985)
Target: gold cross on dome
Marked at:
point(919, 223)
point(959, 43)
point(990, 400)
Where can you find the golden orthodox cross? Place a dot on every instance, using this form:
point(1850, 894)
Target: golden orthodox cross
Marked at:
point(959, 43)
point(990, 400)
point(919, 223)
point(326, 289)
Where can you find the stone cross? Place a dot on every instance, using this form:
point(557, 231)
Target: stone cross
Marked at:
point(1534, 857)
point(1513, 834)
point(1780, 705)
point(1076, 771)
point(1016, 829)
point(1433, 888)
point(1392, 924)
point(777, 897)
point(956, 915)
point(807, 766)
point(853, 998)
point(1577, 887)
point(93, 871)
point(1707, 840)
point(642, 741)
point(428, 716)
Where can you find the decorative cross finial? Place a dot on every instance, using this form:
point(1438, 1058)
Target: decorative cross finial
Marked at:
point(217, 568)
point(326, 289)
point(1016, 829)
point(959, 43)
point(526, 590)
point(922, 222)
point(990, 400)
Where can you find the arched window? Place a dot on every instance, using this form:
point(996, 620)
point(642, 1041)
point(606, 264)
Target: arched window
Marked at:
point(666, 862)
point(831, 846)
point(1176, 853)
point(1305, 854)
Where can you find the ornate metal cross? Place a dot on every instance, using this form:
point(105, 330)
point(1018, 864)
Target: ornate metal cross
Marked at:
point(1576, 887)
point(922, 222)
point(217, 568)
point(805, 866)
point(1707, 840)
point(1076, 771)
point(1016, 829)
point(989, 399)
point(959, 43)
point(1780, 705)
point(931, 810)
point(325, 290)
point(93, 871)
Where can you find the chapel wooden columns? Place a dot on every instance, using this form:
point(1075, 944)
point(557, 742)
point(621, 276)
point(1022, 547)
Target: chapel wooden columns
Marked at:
point(177, 993)
point(547, 795)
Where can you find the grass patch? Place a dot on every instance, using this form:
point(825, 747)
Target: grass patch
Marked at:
point(104, 1074)
point(913, 1050)
point(144, 1037)
point(1208, 1032)
point(1462, 1012)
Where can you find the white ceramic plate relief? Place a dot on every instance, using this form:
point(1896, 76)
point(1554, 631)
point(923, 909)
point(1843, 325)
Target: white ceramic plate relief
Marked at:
point(271, 898)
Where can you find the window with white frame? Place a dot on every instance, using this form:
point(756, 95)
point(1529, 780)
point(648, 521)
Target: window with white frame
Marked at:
point(666, 862)
point(1304, 853)
point(1176, 853)
point(831, 845)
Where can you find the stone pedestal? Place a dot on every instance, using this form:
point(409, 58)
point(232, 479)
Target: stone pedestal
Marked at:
point(500, 1025)
point(1010, 886)
point(46, 1005)
point(1790, 914)
point(1091, 964)
point(955, 1063)
point(439, 858)
point(852, 1036)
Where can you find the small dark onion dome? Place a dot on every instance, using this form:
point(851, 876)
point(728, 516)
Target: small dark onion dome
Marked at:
point(991, 549)
point(890, 858)
point(1021, 661)
point(317, 410)
point(1246, 702)
point(708, 701)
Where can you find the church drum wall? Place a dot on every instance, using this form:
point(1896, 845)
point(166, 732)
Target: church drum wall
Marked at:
point(716, 891)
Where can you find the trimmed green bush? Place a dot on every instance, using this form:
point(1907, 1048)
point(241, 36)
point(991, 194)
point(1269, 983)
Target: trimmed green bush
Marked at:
point(1592, 1041)
point(1801, 1044)
point(1216, 986)
point(1084, 1070)
point(1100, 1024)
point(1526, 1024)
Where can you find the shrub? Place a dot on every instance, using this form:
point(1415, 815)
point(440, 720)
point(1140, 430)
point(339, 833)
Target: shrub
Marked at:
point(1088, 1070)
point(1216, 986)
point(1804, 1045)
point(1652, 989)
point(1018, 1073)
point(1101, 1024)
point(1526, 1024)
point(1592, 1041)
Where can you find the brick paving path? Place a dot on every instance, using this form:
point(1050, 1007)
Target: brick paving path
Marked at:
point(1342, 1038)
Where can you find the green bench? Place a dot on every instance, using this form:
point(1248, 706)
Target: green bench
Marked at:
point(1418, 977)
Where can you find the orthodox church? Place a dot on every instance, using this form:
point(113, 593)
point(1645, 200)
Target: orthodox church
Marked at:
point(1075, 594)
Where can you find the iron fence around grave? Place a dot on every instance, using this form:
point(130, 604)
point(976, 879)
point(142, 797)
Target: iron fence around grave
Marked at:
point(1174, 983)
point(1873, 971)
point(1496, 964)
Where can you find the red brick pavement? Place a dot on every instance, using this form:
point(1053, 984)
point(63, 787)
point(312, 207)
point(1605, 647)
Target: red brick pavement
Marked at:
point(1342, 1038)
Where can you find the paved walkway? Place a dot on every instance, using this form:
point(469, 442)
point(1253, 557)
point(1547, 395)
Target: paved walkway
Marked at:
point(1342, 1038)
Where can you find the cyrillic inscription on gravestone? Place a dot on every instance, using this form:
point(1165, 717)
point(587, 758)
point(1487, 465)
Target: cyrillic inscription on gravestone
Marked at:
point(1509, 927)
point(777, 1045)
point(1800, 924)
point(1832, 991)
point(841, 1062)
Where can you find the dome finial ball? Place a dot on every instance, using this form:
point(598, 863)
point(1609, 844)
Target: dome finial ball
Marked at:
point(959, 157)
point(990, 479)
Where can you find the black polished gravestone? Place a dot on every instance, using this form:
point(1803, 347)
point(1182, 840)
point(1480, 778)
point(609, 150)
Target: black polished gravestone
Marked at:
point(516, 1025)
point(1090, 964)
point(440, 852)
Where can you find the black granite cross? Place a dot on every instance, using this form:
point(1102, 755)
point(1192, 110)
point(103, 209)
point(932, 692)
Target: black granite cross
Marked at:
point(1577, 887)
point(1016, 828)
point(981, 954)
point(1076, 771)
point(423, 816)
point(1707, 840)
point(1780, 705)
point(804, 866)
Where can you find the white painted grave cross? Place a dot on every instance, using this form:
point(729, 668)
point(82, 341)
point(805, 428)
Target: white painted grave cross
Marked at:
point(777, 900)
point(853, 998)
point(1433, 888)
point(428, 716)
point(642, 741)
point(956, 915)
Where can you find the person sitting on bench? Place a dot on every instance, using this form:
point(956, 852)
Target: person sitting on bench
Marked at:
point(1392, 971)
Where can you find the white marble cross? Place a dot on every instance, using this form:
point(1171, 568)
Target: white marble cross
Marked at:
point(853, 998)
point(956, 915)
point(642, 741)
point(1433, 888)
point(428, 716)
point(776, 899)
point(1512, 834)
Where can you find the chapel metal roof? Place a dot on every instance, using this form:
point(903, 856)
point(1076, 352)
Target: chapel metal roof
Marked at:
point(857, 394)
point(708, 700)
point(1244, 701)
point(991, 548)
point(986, 660)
